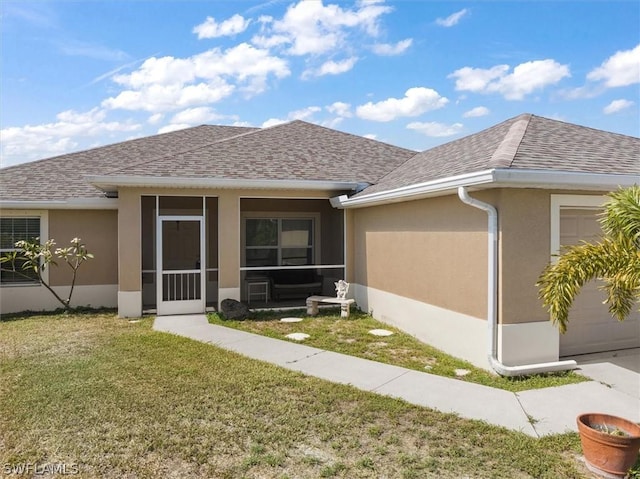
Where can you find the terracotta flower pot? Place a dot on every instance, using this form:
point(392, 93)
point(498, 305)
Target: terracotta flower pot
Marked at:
point(610, 444)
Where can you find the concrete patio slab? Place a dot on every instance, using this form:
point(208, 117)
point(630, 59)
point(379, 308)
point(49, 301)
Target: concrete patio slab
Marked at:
point(617, 369)
point(555, 409)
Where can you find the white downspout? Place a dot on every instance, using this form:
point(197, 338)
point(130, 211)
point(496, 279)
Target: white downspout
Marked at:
point(492, 300)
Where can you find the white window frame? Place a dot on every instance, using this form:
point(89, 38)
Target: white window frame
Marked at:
point(43, 215)
point(577, 202)
point(280, 215)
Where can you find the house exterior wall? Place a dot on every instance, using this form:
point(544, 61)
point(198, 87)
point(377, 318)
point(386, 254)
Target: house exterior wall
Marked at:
point(96, 282)
point(422, 266)
point(99, 231)
point(524, 224)
point(432, 250)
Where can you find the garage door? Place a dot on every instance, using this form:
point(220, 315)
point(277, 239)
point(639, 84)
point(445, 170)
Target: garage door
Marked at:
point(591, 328)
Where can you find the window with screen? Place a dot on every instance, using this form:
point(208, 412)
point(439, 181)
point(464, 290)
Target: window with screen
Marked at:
point(12, 230)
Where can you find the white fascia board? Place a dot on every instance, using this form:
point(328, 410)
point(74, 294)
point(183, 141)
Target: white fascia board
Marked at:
point(419, 190)
point(112, 183)
point(573, 180)
point(70, 204)
point(494, 178)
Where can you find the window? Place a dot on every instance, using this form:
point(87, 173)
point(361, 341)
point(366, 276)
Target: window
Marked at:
point(279, 242)
point(13, 229)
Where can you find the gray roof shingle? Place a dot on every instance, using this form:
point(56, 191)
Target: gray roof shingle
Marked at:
point(292, 151)
point(524, 142)
point(304, 151)
point(62, 177)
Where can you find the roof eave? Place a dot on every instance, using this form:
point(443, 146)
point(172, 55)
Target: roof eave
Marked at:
point(113, 183)
point(70, 204)
point(492, 178)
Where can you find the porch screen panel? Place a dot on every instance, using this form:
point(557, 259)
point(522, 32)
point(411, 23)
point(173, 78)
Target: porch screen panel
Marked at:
point(181, 260)
point(297, 242)
point(262, 242)
point(279, 242)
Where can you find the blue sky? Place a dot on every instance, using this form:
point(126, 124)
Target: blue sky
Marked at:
point(75, 75)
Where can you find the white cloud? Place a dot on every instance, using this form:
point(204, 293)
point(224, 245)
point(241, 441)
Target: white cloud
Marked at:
point(71, 130)
point(312, 28)
point(387, 49)
point(212, 29)
point(173, 127)
point(617, 105)
point(371, 136)
point(416, 101)
point(452, 19)
point(435, 129)
point(155, 118)
point(523, 80)
point(476, 112)
point(196, 116)
point(160, 98)
point(168, 83)
point(477, 79)
point(340, 108)
point(332, 123)
point(620, 69)
point(331, 67)
point(305, 114)
point(273, 122)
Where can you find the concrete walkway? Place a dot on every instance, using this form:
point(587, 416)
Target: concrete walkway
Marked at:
point(536, 412)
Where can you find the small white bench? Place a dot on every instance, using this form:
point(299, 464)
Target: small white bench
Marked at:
point(345, 304)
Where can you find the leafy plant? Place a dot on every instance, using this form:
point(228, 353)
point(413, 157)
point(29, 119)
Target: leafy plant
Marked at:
point(615, 259)
point(36, 258)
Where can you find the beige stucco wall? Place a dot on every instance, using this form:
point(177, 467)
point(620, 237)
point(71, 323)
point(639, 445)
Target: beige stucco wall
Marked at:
point(525, 249)
point(98, 229)
point(432, 250)
point(524, 222)
point(129, 241)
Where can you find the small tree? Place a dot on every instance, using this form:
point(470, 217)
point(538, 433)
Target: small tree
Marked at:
point(36, 258)
point(615, 259)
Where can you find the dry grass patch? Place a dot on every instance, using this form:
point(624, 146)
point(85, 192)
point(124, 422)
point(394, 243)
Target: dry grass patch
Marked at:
point(139, 403)
point(351, 336)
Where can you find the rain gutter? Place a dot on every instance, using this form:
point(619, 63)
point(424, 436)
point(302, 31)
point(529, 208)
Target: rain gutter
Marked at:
point(492, 300)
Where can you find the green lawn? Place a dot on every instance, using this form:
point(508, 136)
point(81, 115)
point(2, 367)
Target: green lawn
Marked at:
point(115, 399)
point(351, 336)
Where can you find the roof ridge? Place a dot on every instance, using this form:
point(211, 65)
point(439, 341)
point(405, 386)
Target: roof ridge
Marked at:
point(186, 150)
point(352, 135)
point(506, 151)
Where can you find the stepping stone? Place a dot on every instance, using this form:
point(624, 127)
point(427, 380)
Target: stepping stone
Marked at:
point(290, 320)
point(462, 372)
point(297, 336)
point(380, 332)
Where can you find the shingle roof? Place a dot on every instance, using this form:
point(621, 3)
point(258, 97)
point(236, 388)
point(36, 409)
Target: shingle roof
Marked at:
point(62, 177)
point(524, 142)
point(293, 151)
point(304, 151)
